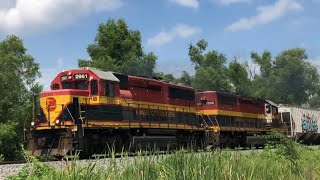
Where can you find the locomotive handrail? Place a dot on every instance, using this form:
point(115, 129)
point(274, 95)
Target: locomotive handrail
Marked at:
point(215, 118)
point(49, 115)
point(70, 114)
point(62, 105)
point(206, 124)
point(210, 120)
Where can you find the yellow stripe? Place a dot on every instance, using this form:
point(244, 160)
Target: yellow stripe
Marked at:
point(153, 125)
point(54, 127)
point(62, 100)
point(217, 112)
point(123, 125)
point(149, 105)
point(224, 128)
point(112, 124)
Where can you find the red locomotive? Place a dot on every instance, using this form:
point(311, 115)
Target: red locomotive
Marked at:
point(241, 119)
point(88, 110)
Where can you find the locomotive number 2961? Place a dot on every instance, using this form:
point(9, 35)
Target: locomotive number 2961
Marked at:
point(81, 76)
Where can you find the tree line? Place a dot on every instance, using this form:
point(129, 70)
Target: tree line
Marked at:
point(287, 78)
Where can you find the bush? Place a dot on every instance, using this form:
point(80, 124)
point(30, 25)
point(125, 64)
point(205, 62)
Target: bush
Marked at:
point(10, 142)
point(269, 164)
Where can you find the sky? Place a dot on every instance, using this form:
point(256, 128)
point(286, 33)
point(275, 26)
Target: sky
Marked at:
point(57, 32)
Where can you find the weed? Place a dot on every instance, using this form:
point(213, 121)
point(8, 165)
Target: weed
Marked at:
point(287, 161)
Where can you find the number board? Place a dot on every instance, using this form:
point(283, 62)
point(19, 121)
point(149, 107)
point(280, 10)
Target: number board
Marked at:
point(63, 78)
point(81, 76)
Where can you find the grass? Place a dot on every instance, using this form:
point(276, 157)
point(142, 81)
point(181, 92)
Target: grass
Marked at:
point(288, 161)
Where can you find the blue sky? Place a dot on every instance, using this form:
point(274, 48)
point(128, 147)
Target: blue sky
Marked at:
point(57, 32)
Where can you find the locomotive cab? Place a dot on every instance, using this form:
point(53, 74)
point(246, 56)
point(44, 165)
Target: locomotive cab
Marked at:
point(271, 113)
point(71, 91)
point(62, 112)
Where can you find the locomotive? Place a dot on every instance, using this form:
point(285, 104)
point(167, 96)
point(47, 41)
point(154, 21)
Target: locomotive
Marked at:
point(89, 110)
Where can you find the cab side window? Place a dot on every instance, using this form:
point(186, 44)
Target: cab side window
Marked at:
point(268, 109)
point(94, 87)
point(109, 89)
point(55, 87)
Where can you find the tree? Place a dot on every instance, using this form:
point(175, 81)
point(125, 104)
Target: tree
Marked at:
point(211, 71)
point(261, 83)
point(17, 78)
point(264, 61)
point(295, 79)
point(239, 79)
point(288, 79)
point(141, 66)
point(185, 79)
point(117, 48)
point(165, 77)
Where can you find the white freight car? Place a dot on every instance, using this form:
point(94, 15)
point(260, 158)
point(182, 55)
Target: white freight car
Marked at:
point(302, 124)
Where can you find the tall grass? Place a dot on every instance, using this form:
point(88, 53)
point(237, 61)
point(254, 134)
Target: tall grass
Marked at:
point(277, 163)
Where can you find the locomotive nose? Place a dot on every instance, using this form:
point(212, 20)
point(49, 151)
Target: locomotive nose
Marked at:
point(51, 103)
point(58, 106)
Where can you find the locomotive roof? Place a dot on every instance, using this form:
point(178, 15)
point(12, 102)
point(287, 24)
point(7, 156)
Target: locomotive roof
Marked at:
point(271, 103)
point(105, 75)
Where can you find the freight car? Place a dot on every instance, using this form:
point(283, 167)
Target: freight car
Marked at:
point(89, 110)
point(301, 124)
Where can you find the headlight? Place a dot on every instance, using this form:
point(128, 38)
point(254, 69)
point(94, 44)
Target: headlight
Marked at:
point(57, 121)
point(32, 123)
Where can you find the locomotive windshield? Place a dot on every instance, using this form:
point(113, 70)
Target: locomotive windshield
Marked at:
point(67, 85)
point(82, 85)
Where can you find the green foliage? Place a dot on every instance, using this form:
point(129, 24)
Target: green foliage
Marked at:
point(34, 169)
point(295, 78)
point(314, 101)
point(17, 83)
point(268, 164)
point(10, 142)
point(287, 148)
point(288, 79)
point(239, 78)
point(165, 77)
point(141, 66)
point(264, 61)
point(211, 71)
point(117, 48)
point(185, 78)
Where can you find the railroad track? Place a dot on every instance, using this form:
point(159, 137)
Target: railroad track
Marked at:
point(12, 162)
point(132, 155)
point(9, 168)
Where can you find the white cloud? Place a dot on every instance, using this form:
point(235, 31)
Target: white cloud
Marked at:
point(266, 14)
point(179, 31)
point(18, 16)
point(187, 3)
point(4, 4)
point(229, 2)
